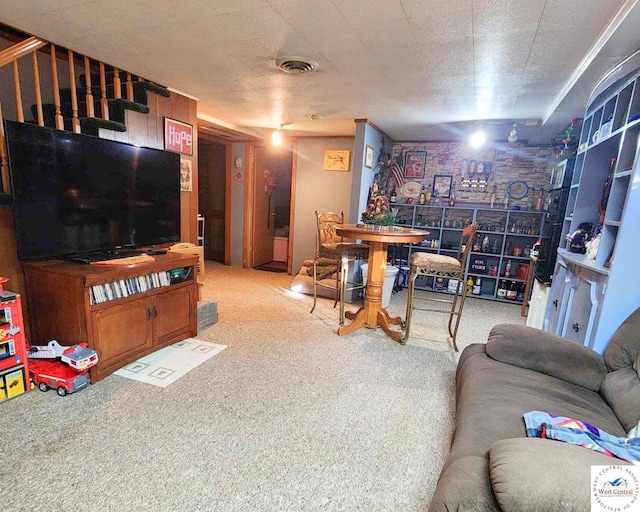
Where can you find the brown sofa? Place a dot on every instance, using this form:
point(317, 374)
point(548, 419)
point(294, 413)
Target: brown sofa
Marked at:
point(492, 465)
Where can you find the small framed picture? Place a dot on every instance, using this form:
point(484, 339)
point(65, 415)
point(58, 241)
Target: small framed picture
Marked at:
point(368, 157)
point(442, 185)
point(414, 164)
point(336, 159)
point(178, 136)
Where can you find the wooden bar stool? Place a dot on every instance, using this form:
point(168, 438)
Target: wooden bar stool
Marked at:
point(332, 250)
point(447, 267)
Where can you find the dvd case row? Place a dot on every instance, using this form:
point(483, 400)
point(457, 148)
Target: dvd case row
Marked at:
point(125, 287)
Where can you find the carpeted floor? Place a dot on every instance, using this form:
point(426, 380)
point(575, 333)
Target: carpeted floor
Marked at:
point(289, 417)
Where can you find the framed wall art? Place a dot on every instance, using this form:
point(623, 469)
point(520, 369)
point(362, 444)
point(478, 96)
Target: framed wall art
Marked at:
point(336, 159)
point(178, 136)
point(368, 157)
point(442, 185)
point(414, 164)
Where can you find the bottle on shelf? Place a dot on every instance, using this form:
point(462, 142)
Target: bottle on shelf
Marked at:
point(506, 200)
point(494, 247)
point(492, 204)
point(502, 289)
point(520, 292)
point(507, 269)
point(427, 196)
point(511, 291)
point(476, 245)
point(477, 287)
point(470, 285)
point(422, 196)
point(494, 270)
point(485, 244)
point(393, 197)
point(538, 205)
point(452, 199)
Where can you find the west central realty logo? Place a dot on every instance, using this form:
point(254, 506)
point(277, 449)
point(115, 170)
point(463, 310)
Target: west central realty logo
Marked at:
point(615, 488)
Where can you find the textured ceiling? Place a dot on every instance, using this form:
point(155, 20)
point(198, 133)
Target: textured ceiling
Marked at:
point(418, 69)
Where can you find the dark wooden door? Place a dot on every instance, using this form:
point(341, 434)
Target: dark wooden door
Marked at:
point(264, 207)
point(211, 189)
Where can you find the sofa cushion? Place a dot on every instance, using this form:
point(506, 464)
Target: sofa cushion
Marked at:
point(493, 396)
point(526, 475)
point(621, 390)
point(543, 352)
point(624, 346)
point(465, 486)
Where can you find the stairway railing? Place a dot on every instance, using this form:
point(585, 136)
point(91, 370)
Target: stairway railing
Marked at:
point(30, 47)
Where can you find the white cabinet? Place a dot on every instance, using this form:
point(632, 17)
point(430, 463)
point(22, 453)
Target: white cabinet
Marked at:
point(589, 299)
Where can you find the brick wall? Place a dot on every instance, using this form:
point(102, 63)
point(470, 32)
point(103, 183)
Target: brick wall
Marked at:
point(509, 163)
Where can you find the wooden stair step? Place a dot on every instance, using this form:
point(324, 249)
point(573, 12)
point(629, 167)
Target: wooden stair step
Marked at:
point(140, 90)
point(117, 109)
point(88, 125)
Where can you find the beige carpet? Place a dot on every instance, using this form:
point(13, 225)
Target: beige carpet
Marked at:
point(289, 417)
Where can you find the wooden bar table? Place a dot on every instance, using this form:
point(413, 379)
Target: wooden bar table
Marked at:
point(372, 314)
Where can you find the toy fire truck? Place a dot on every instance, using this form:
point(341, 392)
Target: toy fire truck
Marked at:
point(65, 369)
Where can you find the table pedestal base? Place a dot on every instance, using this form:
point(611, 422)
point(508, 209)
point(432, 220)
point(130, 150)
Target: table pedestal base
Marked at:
point(382, 319)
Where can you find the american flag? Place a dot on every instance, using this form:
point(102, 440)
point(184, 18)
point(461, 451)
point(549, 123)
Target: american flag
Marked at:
point(398, 170)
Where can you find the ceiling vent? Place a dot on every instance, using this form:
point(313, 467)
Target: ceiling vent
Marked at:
point(296, 65)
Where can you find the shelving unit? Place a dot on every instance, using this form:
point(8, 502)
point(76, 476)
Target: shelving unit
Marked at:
point(510, 235)
point(14, 370)
point(589, 299)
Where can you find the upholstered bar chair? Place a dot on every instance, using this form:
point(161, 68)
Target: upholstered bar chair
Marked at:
point(447, 267)
point(331, 249)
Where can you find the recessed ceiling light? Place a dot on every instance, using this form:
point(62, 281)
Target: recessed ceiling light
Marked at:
point(478, 138)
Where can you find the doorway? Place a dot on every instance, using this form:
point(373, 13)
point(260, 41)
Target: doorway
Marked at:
point(212, 156)
point(271, 208)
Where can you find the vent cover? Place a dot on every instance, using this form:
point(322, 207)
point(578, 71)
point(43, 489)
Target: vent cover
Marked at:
point(296, 65)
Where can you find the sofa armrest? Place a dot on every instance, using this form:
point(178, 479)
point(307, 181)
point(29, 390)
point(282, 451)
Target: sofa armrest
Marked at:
point(546, 353)
point(532, 474)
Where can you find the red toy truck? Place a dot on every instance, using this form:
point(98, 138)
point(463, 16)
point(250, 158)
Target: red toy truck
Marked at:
point(64, 369)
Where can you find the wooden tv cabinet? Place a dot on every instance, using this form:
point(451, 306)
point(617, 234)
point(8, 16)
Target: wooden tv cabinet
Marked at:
point(123, 312)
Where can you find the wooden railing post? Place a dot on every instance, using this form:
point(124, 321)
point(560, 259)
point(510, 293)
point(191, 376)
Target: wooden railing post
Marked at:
point(87, 81)
point(129, 87)
point(56, 88)
point(117, 84)
point(104, 104)
point(4, 164)
point(18, 92)
point(36, 87)
point(75, 122)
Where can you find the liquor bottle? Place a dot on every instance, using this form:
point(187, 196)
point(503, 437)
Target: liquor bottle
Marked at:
point(427, 196)
point(477, 288)
point(507, 269)
point(393, 197)
point(476, 245)
point(452, 199)
point(493, 197)
point(538, 205)
point(422, 197)
point(494, 270)
point(494, 247)
point(506, 200)
point(520, 293)
point(485, 244)
point(511, 291)
point(502, 289)
point(469, 285)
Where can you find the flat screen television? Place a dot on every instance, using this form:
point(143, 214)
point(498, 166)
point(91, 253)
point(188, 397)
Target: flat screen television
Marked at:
point(77, 196)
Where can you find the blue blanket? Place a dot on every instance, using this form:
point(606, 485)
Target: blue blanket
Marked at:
point(568, 430)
